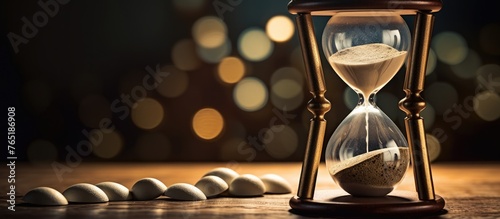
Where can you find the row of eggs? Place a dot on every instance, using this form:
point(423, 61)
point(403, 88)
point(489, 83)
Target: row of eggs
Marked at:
point(220, 181)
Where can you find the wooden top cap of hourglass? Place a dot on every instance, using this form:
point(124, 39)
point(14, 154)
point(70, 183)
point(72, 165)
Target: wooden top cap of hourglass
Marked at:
point(329, 7)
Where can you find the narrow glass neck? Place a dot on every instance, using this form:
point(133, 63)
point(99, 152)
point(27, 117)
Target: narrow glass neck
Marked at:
point(363, 100)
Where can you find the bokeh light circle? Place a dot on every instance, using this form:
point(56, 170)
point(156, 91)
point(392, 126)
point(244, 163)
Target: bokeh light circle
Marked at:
point(450, 47)
point(287, 103)
point(208, 123)
point(110, 146)
point(147, 113)
point(209, 32)
point(431, 62)
point(254, 45)
point(184, 55)
point(214, 55)
point(433, 147)
point(231, 70)
point(286, 88)
point(487, 105)
point(174, 84)
point(287, 82)
point(250, 94)
point(467, 68)
point(280, 28)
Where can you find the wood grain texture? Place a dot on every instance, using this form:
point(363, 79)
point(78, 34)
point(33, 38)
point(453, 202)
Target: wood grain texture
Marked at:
point(470, 190)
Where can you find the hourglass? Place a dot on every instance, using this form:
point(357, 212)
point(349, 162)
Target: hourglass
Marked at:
point(366, 42)
point(367, 154)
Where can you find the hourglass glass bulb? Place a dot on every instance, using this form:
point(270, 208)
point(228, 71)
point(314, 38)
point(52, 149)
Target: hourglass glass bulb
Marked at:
point(367, 154)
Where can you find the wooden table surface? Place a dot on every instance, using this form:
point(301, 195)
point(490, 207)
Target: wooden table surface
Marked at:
point(471, 190)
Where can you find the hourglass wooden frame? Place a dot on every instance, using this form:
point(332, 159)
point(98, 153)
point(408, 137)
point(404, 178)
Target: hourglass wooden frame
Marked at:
point(424, 200)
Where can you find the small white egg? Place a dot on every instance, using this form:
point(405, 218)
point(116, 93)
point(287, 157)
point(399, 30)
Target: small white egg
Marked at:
point(185, 192)
point(212, 185)
point(148, 189)
point(247, 185)
point(115, 191)
point(45, 196)
point(224, 173)
point(276, 184)
point(85, 193)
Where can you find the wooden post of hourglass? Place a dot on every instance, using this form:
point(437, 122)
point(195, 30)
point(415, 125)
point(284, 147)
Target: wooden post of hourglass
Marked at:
point(318, 106)
point(413, 104)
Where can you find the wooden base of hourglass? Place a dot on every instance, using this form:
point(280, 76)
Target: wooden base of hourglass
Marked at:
point(340, 203)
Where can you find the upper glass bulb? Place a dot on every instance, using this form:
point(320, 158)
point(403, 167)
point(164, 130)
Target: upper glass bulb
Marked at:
point(373, 44)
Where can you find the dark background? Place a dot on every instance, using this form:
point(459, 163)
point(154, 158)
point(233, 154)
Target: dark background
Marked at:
point(102, 48)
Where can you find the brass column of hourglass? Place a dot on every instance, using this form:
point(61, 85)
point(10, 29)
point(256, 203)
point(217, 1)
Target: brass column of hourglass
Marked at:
point(424, 200)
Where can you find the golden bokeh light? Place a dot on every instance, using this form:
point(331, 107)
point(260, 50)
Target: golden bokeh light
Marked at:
point(110, 146)
point(175, 84)
point(254, 45)
point(433, 146)
point(208, 123)
point(147, 113)
point(214, 55)
point(231, 70)
point(287, 103)
point(431, 62)
point(280, 28)
point(487, 105)
point(209, 32)
point(184, 55)
point(250, 94)
point(450, 47)
point(467, 68)
point(287, 88)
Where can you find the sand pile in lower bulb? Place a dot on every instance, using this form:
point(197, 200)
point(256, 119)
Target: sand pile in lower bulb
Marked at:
point(372, 174)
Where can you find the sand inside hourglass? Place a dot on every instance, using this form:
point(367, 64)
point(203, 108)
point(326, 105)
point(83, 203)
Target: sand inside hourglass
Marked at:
point(372, 174)
point(367, 68)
